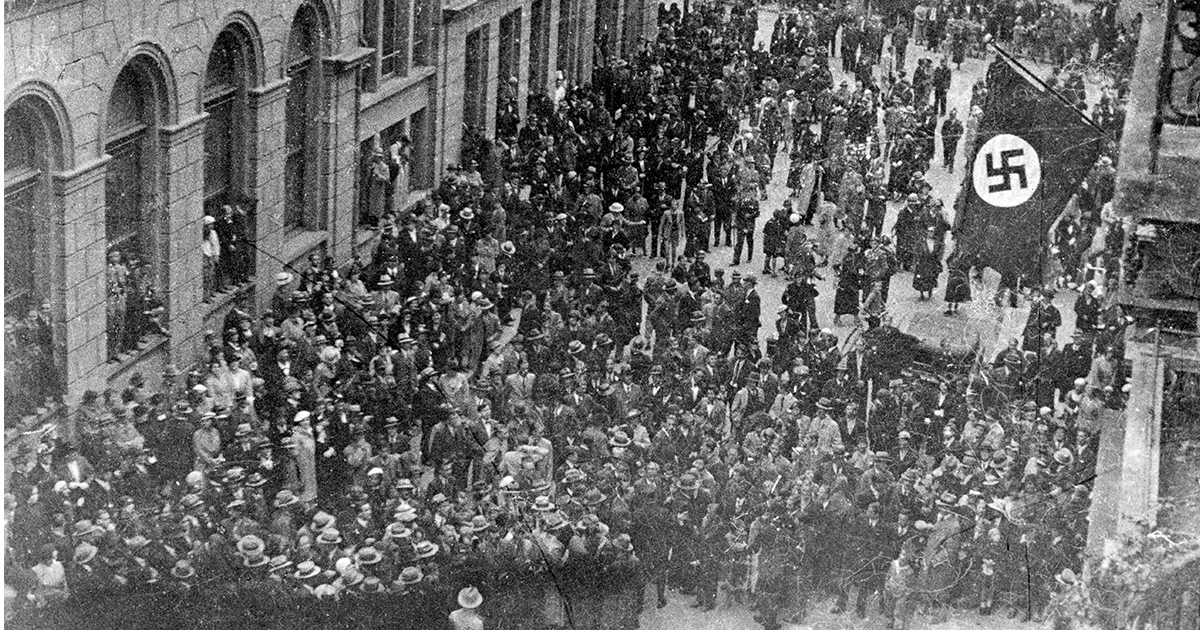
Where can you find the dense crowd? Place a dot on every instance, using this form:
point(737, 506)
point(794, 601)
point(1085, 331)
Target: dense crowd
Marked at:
point(495, 409)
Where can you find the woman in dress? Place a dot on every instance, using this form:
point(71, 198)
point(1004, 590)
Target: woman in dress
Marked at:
point(958, 285)
point(927, 263)
point(850, 284)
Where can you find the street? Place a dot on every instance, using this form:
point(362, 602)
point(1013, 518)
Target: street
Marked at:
point(993, 325)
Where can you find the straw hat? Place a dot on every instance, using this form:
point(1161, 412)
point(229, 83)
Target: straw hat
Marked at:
point(411, 575)
point(470, 597)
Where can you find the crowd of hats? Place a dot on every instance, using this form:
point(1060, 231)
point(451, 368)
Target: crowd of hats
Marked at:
point(628, 477)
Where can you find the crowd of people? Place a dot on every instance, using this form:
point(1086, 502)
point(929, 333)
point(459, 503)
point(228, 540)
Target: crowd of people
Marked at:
point(496, 413)
point(133, 307)
point(32, 378)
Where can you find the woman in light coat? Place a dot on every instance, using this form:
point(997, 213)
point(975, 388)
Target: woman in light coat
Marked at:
point(304, 451)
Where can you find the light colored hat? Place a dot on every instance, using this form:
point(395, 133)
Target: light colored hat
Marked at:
point(183, 570)
point(305, 570)
point(426, 549)
point(411, 575)
point(470, 597)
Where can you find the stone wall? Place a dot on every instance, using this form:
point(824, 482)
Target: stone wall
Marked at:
point(67, 54)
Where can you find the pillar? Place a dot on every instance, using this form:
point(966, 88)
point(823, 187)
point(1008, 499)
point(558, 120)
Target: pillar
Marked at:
point(341, 149)
point(523, 77)
point(83, 315)
point(182, 150)
point(268, 105)
point(1139, 466)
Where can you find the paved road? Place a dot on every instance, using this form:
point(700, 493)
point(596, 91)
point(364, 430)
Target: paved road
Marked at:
point(993, 323)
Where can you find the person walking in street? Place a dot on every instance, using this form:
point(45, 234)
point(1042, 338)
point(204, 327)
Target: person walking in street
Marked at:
point(952, 132)
point(941, 86)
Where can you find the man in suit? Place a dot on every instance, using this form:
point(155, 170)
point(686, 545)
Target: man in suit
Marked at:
point(749, 312)
point(905, 456)
point(874, 542)
point(520, 385)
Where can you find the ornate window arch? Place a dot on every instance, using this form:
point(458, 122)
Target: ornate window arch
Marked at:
point(36, 145)
point(230, 74)
point(304, 130)
point(140, 104)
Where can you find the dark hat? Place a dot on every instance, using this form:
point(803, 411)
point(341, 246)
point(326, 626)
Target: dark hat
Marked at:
point(687, 481)
point(594, 497)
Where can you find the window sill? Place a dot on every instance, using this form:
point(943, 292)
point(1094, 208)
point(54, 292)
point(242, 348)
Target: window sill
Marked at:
point(391, 85)
point(127, 359)
point(229, 294)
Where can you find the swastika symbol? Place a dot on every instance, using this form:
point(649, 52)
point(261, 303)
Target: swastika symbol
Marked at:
point(1005, 171)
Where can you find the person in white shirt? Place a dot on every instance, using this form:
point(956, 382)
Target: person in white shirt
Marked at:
point(210, 249)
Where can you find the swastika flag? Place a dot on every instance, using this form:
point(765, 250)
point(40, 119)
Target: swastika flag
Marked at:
point(1029, 156)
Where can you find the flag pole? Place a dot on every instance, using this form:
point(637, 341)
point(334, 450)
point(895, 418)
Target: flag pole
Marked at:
point(1042, 84)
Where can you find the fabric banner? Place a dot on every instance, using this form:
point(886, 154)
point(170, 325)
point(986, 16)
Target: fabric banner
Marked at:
point(1031, 153)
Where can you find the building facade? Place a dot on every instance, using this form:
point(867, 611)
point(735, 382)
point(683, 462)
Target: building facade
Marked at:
point(1157, 183)
point(135, 131)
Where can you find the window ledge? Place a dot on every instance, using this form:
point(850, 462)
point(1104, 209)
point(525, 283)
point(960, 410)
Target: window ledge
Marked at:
point(393, 85)
point(298, 242)
point(127, 359)
point(228, 294)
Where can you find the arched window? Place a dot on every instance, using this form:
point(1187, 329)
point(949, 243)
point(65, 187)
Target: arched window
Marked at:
point(227, 174)
point(26, 203)
point(31, 145)
point(303, 128)
point(132, 197)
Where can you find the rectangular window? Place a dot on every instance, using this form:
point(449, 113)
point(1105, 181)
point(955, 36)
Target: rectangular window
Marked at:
point(510, 46)
point(369, 37)
point(370, 198)
point(394, 48)
point(387, 138)
point(217, 148)
point(19, 210)
point(420, 167)
point(123, 196)
point(422, 32)
point(296, 137)
point(606, 34)
point(539, 45)
point(566, 37)
point(474, 81)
